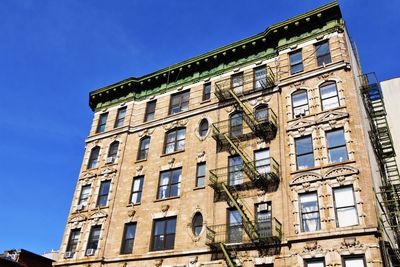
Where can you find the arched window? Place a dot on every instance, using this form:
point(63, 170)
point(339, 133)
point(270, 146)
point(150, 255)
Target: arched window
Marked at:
point(94, 157)
point(300, 103)
point(197, 224)
point(143, 148)
point(261, 113)
point(236, 124)
point(329, 95)
point(174, 140)
point(203, 127)
point(112, 152)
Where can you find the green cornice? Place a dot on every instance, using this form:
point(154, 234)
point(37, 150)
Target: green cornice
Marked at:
point(264, 45)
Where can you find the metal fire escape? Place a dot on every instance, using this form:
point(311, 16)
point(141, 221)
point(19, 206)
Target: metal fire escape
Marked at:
point(262, 175)
point(389, 195)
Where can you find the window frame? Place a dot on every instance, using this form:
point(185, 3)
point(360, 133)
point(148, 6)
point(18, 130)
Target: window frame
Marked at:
point(233, 170)
point(73, 240)
point(201, 177)
point(314, 260)
point(150, 110)
point(307, 109)
point(170, 184)
point(354, 206)
point(165, 234)
point(139, 178)
point(101, 194)
point(101, 125)
point(111, 151)
point(142, 149)
point(182, 105)
point(92, 239)
point(301, 213)
point(261, 108)
point(80, 199)
point(91, 159)
point(195, 226)
point(329, 149)
point(326, 84)
point(356, 256)
point(293, 64)
point(175, 141)
point(119, 121)
point(203, 132)
point(236, 129)
point(303, 154)
point(206, 95)
point(319, 56)
point(264, 79)
point(125, 240)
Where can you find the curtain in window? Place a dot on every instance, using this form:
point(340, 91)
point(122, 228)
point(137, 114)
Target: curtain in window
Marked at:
point(309, 212)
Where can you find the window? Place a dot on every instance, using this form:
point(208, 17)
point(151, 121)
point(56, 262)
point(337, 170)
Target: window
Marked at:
point(84, 195)
point(201, 174)
point(260, 78)
point(143, 148)
point(179, 102)
point(103, 194)
point(237, 83)
point(112, 152)
point(236, 124)
point(261, 113)
point(235, 226)
point(129, 238)
point(203, 127)
point(263, 218)
point(300, 103)
point(206, 91)
point(137, 188)
point(354, 261)
point(309, 212)
point(170, 183)
point(120, 117)
point(197, 224)
point(73, 240)
point(150, 110)
point(175, 141)
point(323, 53)
point(235, 170)
point(94, 157)
point(94, 238)
point(163, 236)
point(345, 207)
point(304, 152)
point(319, 262)
point(337, 150)
point(262, 161)
point(296, 62)
point(102, 123)
point(329, 95)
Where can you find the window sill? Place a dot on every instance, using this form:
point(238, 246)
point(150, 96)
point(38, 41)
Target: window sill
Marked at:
point(133, 204)
point(167, 198)
point(172, 153)
point(161, 251)
point(140, 160)
point(324, 166)
point(198, 188)
point(205, 101)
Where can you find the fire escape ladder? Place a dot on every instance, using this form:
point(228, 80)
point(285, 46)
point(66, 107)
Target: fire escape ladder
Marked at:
point(383, 145)
point(228, 254)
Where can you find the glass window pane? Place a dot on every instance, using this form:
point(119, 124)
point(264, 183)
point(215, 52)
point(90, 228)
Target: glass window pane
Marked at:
point(347, 216)
point(299, 99)
point(159, 227)
point(330, 103)
point(305, 161)
point(309, 202)
point(315, 264)
point(201, 170)
point(335, 138)
point(295, 58)
point(343, 197)
point(338, 154)
point(354, 262)
point(171, 225)
point(234, 217)
point(304, 145)
point(328, 90)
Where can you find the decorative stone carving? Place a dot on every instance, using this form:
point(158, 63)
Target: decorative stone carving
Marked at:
point(201, 156)
point(350, 242)
point(164, 208)
point(171, 162)
point(131, 213)
point(312, 248)
point(77, 218)
point(107, 170)
point(87, 176)
point(229, 109)
point(139, 170)
point(340, 171)
point(302, 123)
point(324, 76)
point(146, 132)
point(332, 117)
point(175, 124)
point(158, 262)
point(304, 178)
point(97, 215)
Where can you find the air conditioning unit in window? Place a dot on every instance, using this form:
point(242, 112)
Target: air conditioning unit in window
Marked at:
point(299, 113)
point(80, 207)
point(68, 254)
point(109, 160)
point(90, 252)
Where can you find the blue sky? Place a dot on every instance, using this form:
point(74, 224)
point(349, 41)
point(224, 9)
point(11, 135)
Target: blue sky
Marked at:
point(54, 52)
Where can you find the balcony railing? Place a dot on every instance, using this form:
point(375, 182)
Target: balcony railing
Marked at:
point(247, 84)
point(269, 232)
point(262, 173)
point(262, 127)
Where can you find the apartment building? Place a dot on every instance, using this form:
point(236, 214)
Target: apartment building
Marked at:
point(254, 154)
